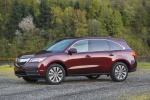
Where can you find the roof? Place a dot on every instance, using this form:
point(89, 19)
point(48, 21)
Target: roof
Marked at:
point(109, 38)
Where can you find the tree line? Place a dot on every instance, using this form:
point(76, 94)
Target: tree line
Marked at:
point(28, 25)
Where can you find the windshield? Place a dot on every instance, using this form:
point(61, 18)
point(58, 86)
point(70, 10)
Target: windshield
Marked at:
point(58, 45)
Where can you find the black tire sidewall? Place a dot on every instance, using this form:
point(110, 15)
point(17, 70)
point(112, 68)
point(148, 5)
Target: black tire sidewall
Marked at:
point(47, 72)
point(112, 73)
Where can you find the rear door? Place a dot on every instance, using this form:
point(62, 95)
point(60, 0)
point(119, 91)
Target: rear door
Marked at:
point(101, 54)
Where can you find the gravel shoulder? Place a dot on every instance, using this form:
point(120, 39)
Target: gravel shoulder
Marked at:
point(135, 87)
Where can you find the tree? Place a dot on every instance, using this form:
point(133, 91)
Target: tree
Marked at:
point(68, 24)
point(24, 23)
point(18, 12)
point(77, 5)
point(96, 28)
point(94, 9)
point(111, 20)
point(1, 25)
point(44, 17)
point(4, 47)
point(56, 23)
point(33, 41)
point(27, 23)
point(80, 23)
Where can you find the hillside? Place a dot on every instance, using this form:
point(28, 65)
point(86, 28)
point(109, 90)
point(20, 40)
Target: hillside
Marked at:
point(28, 25)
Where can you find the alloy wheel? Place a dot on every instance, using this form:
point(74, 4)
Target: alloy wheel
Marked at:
point(55, 74)
point(120, 72)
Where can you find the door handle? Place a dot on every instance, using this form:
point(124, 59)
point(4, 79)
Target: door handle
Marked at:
point(111, 55)
point(87, 56)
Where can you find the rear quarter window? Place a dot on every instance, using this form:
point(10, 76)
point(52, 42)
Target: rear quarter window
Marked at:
point(115, 46)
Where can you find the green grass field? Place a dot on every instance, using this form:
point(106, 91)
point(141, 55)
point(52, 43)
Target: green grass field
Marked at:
point(4, 69)
point(143, 64)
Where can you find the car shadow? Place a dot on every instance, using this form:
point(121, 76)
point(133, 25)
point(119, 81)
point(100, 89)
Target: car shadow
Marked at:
point(73, 80)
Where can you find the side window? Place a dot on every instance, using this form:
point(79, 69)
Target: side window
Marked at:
point(99, 45)
point(114, 46)
point(81, 46)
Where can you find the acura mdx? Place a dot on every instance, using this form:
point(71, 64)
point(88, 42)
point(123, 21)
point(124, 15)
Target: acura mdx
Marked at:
point(90, 57)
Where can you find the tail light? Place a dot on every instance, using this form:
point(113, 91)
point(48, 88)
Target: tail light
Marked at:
point(133, 54)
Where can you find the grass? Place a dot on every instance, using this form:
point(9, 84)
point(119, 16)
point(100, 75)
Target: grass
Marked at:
point(143, 64)
point(7, 72)
point(139, 96)
point(4, 69)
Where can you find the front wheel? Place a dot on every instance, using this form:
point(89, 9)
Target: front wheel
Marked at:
point(55, 74)
point(119, 72)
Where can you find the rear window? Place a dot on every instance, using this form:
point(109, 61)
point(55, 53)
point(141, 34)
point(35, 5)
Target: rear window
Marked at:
point(99, 45)
point(115, 46)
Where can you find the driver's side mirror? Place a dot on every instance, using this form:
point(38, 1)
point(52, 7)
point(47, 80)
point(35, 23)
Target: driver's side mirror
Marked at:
point(72, 50)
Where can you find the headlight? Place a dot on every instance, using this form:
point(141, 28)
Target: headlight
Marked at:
point(22, 60)
point(37, 59)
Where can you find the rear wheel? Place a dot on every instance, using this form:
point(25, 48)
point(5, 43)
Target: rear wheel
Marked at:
point(55, 74)
point(30, 79)
point(119, 72)
point(93, 76)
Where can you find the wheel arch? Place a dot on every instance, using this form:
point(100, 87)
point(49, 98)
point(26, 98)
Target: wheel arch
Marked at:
point(125, 62)
point(60, 63)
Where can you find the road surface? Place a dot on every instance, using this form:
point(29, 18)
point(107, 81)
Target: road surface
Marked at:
point(135, 87)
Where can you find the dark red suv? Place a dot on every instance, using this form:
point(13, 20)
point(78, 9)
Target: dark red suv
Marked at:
point(90, 57)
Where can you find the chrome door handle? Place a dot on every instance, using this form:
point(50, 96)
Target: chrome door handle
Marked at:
point(111, 55)
point(87, 56)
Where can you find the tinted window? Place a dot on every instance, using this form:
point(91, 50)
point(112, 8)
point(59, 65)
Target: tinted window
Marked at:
point(58, 45)
point(99, 45)
point(81, 46)
point(114, 46)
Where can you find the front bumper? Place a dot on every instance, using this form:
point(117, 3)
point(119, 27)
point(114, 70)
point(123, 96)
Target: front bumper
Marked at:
point(29, 70)
point(20, 72)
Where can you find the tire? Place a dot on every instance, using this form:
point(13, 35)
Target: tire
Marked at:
point(119, 72)
point(55, 74)
point(29, 79)
point(93, 76)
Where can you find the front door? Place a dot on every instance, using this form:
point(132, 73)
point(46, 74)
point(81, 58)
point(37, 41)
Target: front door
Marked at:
point(81, 62)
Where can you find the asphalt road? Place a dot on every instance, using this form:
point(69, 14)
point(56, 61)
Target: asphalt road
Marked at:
point(135, 87)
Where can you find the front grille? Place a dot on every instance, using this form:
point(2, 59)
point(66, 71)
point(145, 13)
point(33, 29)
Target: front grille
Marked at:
point(20, 63)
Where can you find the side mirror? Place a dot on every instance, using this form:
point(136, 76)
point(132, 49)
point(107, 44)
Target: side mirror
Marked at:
point(72, 50)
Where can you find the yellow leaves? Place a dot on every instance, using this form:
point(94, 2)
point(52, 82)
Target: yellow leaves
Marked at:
point(80, 23)
point(79, 18)
point(70, 21)
point(57, 15)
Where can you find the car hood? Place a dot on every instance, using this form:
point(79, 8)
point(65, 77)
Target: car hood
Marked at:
point(42, 53)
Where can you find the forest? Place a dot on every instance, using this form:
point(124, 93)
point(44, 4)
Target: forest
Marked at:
point(28, 25)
